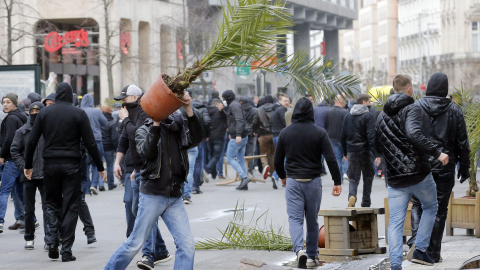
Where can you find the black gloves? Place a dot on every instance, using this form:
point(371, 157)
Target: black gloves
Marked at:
point(463, 175)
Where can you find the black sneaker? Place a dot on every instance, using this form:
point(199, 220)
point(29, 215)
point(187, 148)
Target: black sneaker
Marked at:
point(274, 183)
point(112, 186)
point(91, 239)
point(302, 260)
point(68, 257)
point(101, 188)
point(422, 258)
point(145, 264)
point(53, 252)
point(243, 183)
point(197, 191)
point(162, 258)
point(187, 200)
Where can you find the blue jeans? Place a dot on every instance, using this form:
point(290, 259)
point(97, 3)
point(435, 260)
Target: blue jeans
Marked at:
point(109, 159)
point(237, 150)
point(275, 141)
point(303, 203)
point(10, 176)
point(172, 211)
point(398, 199)
point(337, 148)
point(187, 187)
point(198, 170)
point(95, 176)
point(128, 200)
point(220, 161)
point(18, 203)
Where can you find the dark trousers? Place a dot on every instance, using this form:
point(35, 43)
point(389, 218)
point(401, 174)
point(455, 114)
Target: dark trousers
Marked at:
point(250, 150)
point(361, 164)
point(63, 196)
point(29, 190)
point(84, 211)
point(198, 169)
point(215, 150)
point(445, 182)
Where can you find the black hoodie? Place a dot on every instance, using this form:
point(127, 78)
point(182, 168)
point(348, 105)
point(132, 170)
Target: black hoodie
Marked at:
point(447, 130)
point(63, 126)
point(13, 121)
point(303, 143)
point(235, 116)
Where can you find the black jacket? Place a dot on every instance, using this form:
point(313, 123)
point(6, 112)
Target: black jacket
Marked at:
point(333, 122)
point(165, 166)
point(235, 117)
point(277, 120)
point(63, 126)
point(110, 134)
point(205, 117)
point(448, 133)
point(400, 140)
point(358, 131)
point(250, 115)
point(262, 122)
point(13, 121)
point(218, 123)
point(303, 143)
point(130, 124)
point(18, 152)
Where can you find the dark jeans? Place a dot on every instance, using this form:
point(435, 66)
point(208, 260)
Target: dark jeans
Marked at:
point(220, 161)
point(84, 212)
point(198, 169)
point(250, 150)
point(63, 196)
point(361, 164)
point(29, 191)
point(215, 149)
point(445, 182)
point(109, 159)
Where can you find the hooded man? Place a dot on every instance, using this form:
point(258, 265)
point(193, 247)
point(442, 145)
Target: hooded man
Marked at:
point(97, 121)
point(265, 139)
point(50, 99)
point(63, 127)
point(218, 126)
point(30, 187)
point(110, 143)
point(358, 145)
point(237, 133)
point(448, 131)
point(400, 139)
point(132, 117)
point(302, 144)
point(11, 174)
point(250, 115)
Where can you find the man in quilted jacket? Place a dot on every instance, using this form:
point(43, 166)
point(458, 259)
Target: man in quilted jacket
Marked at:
point(405, 149)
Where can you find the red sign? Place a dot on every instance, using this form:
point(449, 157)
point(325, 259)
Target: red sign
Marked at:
point(54, 41)
point(179, 50)
point(70, 51)
point(322, 46)
point(125, 41)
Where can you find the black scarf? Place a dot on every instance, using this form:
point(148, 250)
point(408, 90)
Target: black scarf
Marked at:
point(176, 123)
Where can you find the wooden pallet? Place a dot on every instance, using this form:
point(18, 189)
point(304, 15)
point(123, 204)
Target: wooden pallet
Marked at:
point(464, 213)
point(237, 177)
point(341, 241)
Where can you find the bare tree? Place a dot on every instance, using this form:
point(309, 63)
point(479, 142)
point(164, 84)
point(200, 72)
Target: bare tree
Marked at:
point(17, 15)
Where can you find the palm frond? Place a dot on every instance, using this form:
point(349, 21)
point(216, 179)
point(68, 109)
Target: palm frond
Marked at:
point(252, 235)
point(254, 30)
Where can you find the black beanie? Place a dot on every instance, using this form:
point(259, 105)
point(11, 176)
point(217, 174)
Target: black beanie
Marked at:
point(438, 85)
point(36, 105)
point(228, 95)
point(13, 97)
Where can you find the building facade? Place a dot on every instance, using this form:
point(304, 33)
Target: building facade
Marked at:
point(70, 40)
point(370, 48)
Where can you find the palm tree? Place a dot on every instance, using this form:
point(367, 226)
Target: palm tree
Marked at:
point(252, 30)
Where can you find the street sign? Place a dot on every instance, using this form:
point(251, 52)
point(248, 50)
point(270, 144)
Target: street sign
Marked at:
point(243, 70)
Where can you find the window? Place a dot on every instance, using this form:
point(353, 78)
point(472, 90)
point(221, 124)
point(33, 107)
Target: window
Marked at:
point(475, 37)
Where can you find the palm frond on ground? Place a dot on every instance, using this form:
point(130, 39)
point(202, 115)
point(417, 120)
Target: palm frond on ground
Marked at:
point(255, 30)
point(463, 97)
point(257, 234)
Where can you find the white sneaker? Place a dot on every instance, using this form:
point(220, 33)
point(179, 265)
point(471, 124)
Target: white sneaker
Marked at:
point(345, 176)
point(29, 245)
point(94, 190)
point(205, 176)
point(1, 227)
point(302, 260)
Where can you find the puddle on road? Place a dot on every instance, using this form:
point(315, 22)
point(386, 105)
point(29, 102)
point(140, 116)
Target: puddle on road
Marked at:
point(220, 214)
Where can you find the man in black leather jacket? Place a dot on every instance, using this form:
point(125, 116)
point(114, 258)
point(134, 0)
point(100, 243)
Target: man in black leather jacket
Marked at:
point(163, 147)
point(405, 148)
point(449, 132)
point(358, 144)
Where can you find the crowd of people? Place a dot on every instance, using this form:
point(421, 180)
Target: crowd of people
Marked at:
point(59, 147)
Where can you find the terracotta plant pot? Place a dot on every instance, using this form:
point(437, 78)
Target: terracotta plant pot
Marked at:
point(159, 101)
point(321, 235)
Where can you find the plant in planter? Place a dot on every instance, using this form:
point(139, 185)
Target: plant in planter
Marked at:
point(250, 30)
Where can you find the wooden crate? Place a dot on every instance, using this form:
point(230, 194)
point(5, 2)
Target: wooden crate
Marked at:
point(407, 226)
point(464, 213)
point(340, 241)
